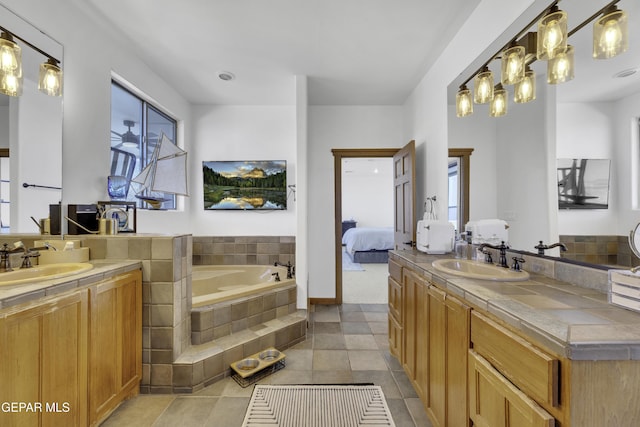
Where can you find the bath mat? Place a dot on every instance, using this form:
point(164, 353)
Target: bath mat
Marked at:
point(317, 406)
point(348, 264)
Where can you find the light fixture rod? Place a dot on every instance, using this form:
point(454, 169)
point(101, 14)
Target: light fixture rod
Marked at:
point(592, 17)
point(37, 49)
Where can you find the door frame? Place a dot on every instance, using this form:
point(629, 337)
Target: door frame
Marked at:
point(338, 155)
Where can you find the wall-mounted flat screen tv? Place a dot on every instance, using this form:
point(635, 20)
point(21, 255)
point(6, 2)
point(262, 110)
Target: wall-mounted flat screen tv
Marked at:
point(245, 185)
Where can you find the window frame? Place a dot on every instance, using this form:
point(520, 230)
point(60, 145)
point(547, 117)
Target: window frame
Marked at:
point(144, 151)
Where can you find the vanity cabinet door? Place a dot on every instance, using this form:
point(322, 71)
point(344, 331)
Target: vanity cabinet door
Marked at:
point(437, 357)
point(495, 402)
point(409, 308)
point(43, 362)
point(458, 340)
point(115, 360)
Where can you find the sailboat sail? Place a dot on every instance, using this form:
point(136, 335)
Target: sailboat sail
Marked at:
point(166, 172)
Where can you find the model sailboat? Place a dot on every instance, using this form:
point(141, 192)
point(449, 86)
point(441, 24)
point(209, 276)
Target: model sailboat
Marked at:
point(165, 173)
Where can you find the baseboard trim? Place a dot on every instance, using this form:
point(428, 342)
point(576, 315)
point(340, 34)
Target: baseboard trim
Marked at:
point(322, 301)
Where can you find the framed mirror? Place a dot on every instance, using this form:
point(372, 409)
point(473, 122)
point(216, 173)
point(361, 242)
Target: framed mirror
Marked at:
point(30, 135)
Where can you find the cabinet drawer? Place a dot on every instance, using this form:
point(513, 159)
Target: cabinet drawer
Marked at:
point(395, 271)
point(395, 300)
point(529, 368)
point(494, 401)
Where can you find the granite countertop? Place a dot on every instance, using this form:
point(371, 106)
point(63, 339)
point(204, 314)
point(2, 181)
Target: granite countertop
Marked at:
point(576, 322)
point(11, 295)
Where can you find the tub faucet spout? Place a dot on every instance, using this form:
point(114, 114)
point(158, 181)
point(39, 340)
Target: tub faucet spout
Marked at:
point(290, 268)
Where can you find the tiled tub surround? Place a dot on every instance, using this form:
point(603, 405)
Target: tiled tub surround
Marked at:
point(215, 321)
point(609, 250)
point(243, 250)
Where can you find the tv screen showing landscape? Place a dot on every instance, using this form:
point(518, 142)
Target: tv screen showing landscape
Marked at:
point(245, 185)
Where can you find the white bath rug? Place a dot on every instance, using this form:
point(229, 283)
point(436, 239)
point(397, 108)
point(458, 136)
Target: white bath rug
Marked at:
point(317, 406)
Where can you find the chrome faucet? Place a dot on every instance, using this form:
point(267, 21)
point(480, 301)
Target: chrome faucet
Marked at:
point(541, 247)
point(502, 262)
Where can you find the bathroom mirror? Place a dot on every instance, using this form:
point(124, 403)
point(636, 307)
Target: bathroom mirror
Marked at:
point(30, 136)
point(513, 168)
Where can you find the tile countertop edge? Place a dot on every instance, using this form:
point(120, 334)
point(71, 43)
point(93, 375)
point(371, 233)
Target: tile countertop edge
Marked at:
point(102, 269)
point(621, 343)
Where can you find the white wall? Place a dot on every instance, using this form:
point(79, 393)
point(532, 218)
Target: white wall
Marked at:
point(367, 195)
point(4, 126)
point(627, 151)
point(338, 127)
point(242, 133)
point(587, 131)
point(477, 132)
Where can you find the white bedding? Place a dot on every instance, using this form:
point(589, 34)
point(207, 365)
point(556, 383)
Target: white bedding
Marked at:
point(368, 238)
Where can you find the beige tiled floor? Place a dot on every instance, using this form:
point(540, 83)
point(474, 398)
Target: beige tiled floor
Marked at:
point(345, 344)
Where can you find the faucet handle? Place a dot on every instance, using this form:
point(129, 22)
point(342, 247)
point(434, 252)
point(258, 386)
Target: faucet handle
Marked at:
point(516, 263)
point(487, 256)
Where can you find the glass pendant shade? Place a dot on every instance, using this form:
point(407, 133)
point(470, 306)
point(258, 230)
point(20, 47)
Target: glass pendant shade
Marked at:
point(560, 69)
point(610, 34)
point(512, 65)
point(10, 66)
point(498, 106)
point(50, 78)
point(464, 105)
point(525, 89)
point(483, 86)
point(552, 35)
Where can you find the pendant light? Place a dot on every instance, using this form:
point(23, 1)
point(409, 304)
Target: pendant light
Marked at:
point(50, 78)
point(512, 65)
point(560, 68)
point(610, 34)
point(498, 105)
point(464, 105)
point(483, 86)
point(525, 89)
point(10, 66)
point(552, 34)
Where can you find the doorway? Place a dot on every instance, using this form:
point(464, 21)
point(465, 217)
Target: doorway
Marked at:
point(339, 156)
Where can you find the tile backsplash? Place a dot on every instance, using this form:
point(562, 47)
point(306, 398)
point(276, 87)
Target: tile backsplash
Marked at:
point(243, 250)
point(609, 250)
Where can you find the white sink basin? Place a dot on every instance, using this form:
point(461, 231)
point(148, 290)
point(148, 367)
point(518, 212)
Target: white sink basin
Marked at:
point(478, 270)
point(43, 272)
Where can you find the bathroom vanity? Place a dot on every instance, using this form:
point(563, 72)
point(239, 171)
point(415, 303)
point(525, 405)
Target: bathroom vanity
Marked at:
point(71, 347)
point(537, 352)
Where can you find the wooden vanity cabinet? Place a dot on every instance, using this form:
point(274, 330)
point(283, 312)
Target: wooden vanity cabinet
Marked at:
point(436, 340)
point(43, 362)
point(72, 357)
point(115, 354)
point(395, 310)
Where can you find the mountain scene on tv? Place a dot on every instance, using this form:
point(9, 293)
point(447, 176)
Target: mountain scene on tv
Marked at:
point(245, 185)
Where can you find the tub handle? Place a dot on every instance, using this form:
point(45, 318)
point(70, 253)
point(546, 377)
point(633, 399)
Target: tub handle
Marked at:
point(277, 276)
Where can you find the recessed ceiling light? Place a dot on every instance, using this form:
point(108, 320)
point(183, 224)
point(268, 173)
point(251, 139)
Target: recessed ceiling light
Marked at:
point(625, 73)
point(226, 76)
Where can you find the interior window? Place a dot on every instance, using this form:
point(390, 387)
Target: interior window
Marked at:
point(136, 126)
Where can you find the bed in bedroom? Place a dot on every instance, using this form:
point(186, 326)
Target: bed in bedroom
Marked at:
point(368, 245)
